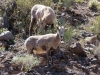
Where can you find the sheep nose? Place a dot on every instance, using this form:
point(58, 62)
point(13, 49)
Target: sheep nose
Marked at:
point(61, 36)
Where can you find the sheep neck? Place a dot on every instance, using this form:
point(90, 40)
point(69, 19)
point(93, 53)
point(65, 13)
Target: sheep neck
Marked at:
point(58, 36)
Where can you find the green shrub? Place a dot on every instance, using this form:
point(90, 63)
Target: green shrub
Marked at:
point(2, 48)
point(25, 5)
point(68, 3)
point(2, 30)
point(79, 1)
point(68, 34)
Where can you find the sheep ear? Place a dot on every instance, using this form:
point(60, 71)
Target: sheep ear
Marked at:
point(57, 27)
point(66, 29)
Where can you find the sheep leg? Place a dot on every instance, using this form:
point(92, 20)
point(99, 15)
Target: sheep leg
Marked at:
point(31, 26)
point(52, 26)
point(46, 27)
point(30, 51)
point(36, 29)
point(51, 58)
point(51, 54)
point(6, 47)
point(48, 51)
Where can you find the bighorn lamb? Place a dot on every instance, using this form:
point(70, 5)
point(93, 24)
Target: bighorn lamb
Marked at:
point(43, 16)
point(40, 44)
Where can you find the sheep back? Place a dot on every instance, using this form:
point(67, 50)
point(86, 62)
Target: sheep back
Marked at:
point(49, 41)
point(49, 16)
point(37, 43)
point(35, 8)
point(43, 13)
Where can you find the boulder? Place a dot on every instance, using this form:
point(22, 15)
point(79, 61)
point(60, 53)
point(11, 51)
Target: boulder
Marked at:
point(91, 40)
point(6, 35)
point(77, 49)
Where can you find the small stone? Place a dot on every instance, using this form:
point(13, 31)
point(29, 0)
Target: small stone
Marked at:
point(94, 61)
point(77, 49)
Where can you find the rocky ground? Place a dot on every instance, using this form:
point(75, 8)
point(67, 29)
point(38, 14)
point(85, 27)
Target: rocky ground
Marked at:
point(73, 58)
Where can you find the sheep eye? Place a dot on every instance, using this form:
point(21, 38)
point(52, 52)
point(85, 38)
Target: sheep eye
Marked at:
point(42, 22)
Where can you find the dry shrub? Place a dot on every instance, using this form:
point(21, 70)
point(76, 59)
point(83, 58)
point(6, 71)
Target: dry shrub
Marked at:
point(94, 4)
point(97, 52)
point(27, 61)
point(96, 25)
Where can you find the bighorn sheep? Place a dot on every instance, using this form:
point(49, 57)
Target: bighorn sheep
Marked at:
point(40, 44)
point(43, 16)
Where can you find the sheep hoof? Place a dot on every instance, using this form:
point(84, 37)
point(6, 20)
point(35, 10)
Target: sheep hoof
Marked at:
point(47, 66)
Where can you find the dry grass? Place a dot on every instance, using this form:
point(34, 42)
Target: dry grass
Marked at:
point(94, 4)
point(27, 61)
point(97, 51)
point(79, 1)
point(95, 28)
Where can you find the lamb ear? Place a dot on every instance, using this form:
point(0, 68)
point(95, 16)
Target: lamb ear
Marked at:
point(66, 29)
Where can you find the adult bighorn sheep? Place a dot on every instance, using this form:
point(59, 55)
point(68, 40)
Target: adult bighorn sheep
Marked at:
point(40, 44)
point(42, 16)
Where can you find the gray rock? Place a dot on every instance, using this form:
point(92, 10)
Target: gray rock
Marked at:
point(94, 61)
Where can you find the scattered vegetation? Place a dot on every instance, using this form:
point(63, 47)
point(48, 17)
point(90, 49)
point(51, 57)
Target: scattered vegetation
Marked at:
point(68, 3)
point(96, 25)
point(68, 33)
point(24, 7)
point(3, 29)
point(97, 52)
point(5, 3)
point(2, 48)
point(27, 61)
point(79, 1)
point(94, 4)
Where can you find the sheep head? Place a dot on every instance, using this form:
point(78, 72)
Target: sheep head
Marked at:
point(42, 26)
point(61, 30)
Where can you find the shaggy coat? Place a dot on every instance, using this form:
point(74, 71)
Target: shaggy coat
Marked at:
point(40, 44)
point(43, 16)
point(47, 41)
